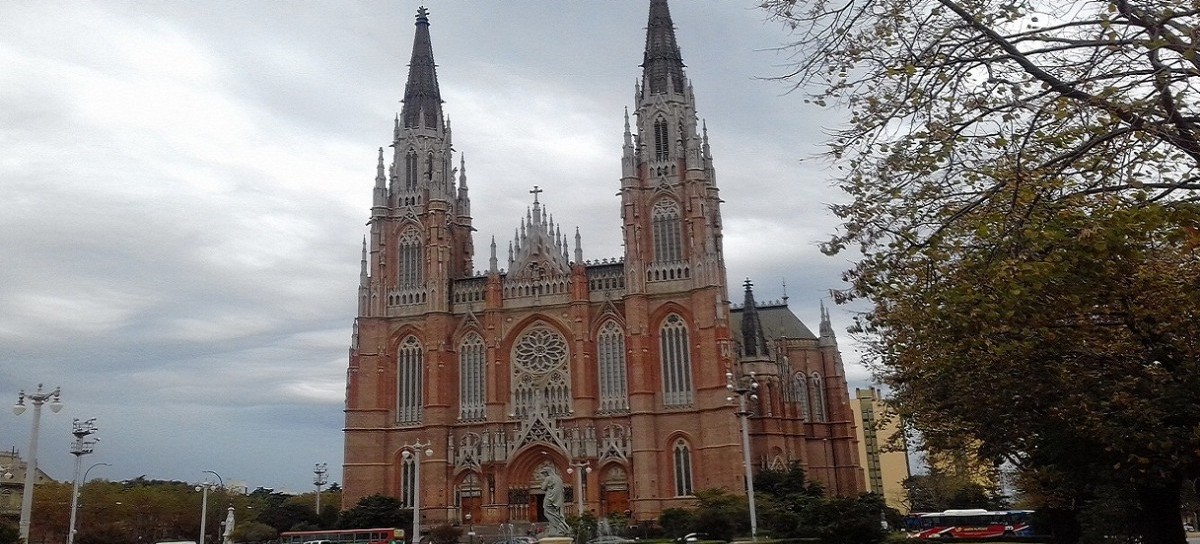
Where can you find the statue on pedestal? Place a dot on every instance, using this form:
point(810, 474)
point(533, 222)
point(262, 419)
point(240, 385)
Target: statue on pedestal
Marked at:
point(552, 503)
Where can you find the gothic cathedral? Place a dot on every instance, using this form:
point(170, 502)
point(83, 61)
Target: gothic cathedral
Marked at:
point(616, 374)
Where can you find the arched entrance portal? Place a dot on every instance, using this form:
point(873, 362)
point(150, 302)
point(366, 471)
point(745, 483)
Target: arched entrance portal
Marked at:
point(525, 493)
point(614, 491)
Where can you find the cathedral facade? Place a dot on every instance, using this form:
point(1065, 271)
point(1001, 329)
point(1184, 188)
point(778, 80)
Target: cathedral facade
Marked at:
point(620, 375)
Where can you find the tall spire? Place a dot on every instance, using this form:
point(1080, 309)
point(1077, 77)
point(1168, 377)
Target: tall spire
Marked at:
point(422, 99)
point(826, 326)
point(662, 67)
point(754, 341)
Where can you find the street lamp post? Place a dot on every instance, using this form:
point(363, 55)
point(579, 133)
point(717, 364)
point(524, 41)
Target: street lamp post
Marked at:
point(319, 479)
point(79, 448)
point(470, 529)
point(579, 468)
point(743, 387)
point(37, 399)
point(205, 486)
point(413, 452)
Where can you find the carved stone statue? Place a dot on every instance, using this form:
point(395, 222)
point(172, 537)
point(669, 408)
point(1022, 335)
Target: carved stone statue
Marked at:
point(552, 503)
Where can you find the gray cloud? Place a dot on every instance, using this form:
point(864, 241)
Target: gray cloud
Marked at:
point(184, 188)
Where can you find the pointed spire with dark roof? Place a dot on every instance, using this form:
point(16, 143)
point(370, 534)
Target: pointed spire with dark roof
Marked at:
point(422, 99)
point(826, 326)
point(662, 66)
point(754, 341)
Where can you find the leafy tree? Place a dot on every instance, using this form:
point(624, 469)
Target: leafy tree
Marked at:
point(938, 491)
point(376, 511)
point(289, 516)
point(676, 522)
point(720, 514)
point(1023, 179)
point(791, 507)
point(254, 532)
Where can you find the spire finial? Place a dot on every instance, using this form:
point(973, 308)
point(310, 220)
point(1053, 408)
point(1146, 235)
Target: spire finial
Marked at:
point(754, 341)
point(535, 191)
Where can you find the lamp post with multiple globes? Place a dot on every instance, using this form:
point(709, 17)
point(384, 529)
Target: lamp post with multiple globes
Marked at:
point(579, 468)
point(413, 452)
point(745, 387)
point(79, 448)
point(320, 479)
point(36, 398)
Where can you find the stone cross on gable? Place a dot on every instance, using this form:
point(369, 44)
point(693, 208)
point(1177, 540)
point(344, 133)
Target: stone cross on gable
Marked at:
point(535, 192)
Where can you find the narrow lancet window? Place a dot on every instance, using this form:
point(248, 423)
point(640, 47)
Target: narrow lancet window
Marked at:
point(664, 218)
point(676, 362)
point(409, 364)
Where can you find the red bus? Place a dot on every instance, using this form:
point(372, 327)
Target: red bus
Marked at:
point(974, 523)
point(346, 536)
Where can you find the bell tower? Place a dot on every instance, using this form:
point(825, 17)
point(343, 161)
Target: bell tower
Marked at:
point(669, 200)
point(421, 213)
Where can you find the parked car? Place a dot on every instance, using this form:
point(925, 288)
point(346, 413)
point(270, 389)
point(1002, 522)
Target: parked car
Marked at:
point(692, 537)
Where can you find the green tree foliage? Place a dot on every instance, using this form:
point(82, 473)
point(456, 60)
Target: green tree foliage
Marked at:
point(254, 533)
point(289, 516)
point(791, 507)
point(938, 491)
point(720, 514)
point(1023, 178)
point(141, 511)
point(376, 511)
point(676, 522)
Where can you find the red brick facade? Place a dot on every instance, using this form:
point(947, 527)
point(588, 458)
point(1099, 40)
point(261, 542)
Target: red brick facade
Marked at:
point(617, 366)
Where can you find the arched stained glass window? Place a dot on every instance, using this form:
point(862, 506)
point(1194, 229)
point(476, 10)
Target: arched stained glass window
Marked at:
point(800, 395)
point(411, 263)
point(541, 375)
point(668, 236)
point(676, 362)
point(610, 348)
point(409, 363)
point(472, 368)
point(817, 389)
point(683, 469)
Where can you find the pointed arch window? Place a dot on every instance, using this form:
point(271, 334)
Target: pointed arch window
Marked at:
point(540, 373)
point(668, 244)
point(817, 397)
point(429, 166)
point(410, 170)
point(409, 364)
point(676, 362)
point(411, 270)
point(683, 469)
point(408, 479)
point(472, 367)
point(800, 395)
point(610, 348)
point(662, 140)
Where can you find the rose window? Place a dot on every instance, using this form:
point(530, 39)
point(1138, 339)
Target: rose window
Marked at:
point(540, 351)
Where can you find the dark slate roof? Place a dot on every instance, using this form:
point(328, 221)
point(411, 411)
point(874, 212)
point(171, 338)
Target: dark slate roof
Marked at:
point(662, 52)
point(777, 321)
point(421, 92)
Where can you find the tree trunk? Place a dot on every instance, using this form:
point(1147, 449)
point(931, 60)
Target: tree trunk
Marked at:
point(1159, 521)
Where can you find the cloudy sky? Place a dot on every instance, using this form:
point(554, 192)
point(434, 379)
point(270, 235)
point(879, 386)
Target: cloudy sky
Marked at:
point(184, 187)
